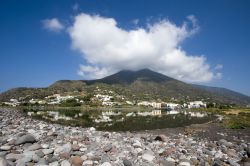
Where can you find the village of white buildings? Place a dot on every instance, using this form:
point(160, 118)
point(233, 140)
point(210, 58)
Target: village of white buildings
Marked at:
point(104, 98)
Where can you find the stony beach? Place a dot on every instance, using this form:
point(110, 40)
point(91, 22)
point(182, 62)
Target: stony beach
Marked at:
point(25, 141)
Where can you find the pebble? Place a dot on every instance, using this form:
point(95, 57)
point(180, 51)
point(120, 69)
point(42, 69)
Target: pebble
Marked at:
point(3, 162)
point(76, 160)
point(65, 163)
point(106, 164)
point(5, 147)
point(28, 138)
point(126, 162)
point(88, 163)
point(148, 157)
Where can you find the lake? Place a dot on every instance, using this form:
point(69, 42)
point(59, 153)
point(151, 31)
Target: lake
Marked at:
point(118, 120)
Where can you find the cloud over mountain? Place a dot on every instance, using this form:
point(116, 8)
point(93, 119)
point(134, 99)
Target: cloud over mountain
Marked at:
point(108, 48)
point(53, 24)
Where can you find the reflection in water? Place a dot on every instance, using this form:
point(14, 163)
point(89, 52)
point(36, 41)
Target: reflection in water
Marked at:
point(129, 121)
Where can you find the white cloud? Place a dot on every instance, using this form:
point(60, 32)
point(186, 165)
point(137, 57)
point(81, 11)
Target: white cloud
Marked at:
point(107, 48)
point(218, 67)
point(53, 24)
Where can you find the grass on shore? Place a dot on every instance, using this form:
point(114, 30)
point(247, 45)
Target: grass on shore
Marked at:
point(234, 118)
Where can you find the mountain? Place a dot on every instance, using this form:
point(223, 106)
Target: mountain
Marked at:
point(128, 77)
point(136, 85)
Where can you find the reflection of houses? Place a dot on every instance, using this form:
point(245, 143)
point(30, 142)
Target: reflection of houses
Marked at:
point(197, 104)
point(197, 114)
point(172, 112)
point(129, 103)
point(156, 112)
point(110, 113)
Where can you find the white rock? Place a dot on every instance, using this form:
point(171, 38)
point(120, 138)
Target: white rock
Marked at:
point(92, 129)
point(137, 144)
point(45, 146)
point(184, 164)
point(47, 151)
point(83, 149)
point(106, 164)
point(84, 157)
point(65, 163)
point(55, 163)
point(87, 162)
point(148, 157)
point(5, 147)
point(138, 150)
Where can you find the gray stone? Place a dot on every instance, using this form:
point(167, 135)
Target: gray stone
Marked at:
point(107, 148)
point(20, 163)
point(126, 162)
point(55, 163)
point(3, 162)
point(3, 153)
point(13, 156)
point(225, 143)
point(40, 153)
point(33, 147)
point(42, 161)
point(47, 151)
point(64, 148)
point(25, 139)
point(233, 163)
point(5, 147)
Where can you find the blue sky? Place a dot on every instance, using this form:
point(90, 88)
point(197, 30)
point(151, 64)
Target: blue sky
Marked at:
point(34, 55)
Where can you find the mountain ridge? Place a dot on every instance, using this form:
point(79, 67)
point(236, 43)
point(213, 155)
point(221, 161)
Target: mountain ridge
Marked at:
point(145, 83)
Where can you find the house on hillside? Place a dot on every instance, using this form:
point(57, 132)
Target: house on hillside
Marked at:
point(152, 104)
point(172, 106)
point(104, 98)
point(197, 104)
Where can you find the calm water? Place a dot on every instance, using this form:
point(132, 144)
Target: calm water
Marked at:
point(124, 121)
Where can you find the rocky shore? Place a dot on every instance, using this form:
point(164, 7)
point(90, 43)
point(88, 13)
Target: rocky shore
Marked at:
point(25, 141)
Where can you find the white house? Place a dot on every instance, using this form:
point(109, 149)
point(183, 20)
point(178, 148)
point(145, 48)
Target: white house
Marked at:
point(152, 104)
point(172, 106)
point(156, 105)
point(197, 104)
point(104, 97)
point(144, 103)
